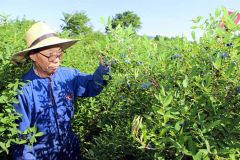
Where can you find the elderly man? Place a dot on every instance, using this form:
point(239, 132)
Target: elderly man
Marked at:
point(47, 99)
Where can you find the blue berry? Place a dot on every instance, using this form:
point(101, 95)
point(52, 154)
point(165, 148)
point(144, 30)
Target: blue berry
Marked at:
point(128, 86)
point(123, 55)
point(146, 85)
point(175, 56)
point(229, 44)
point(139, 63)
point(127, 61)
point(238, 90)
point(224, 55)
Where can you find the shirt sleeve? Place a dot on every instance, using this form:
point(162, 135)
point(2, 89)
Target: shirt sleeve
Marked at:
point(23, 151)
point(90, 85)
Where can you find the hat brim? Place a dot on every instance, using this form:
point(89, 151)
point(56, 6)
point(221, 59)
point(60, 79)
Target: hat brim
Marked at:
point(63, 43)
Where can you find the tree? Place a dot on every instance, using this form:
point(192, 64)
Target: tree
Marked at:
point(76, 23)
point(126, 19)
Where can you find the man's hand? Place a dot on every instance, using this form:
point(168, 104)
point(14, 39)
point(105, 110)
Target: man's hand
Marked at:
point(101, 60)
point(104, 61)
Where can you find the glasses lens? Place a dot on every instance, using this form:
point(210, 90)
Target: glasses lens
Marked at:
point(54, 57)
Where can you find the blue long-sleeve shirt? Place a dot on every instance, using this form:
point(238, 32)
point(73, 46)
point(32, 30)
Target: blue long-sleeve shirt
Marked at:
point(48, 104)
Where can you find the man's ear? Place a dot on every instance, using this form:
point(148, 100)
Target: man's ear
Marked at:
point(32, 56)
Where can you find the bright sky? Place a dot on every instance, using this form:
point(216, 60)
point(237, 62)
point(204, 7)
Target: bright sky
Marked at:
point(158, 17)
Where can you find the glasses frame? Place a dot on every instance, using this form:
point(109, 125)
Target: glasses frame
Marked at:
point(58, 55)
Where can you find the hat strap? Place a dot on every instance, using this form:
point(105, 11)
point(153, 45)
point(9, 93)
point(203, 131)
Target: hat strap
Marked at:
point(45, 36)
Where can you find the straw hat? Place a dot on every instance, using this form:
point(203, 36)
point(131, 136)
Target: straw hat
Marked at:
point(38, 36)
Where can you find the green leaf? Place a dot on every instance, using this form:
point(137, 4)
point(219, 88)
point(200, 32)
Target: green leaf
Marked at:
point(219, 31)
point(167, 100)
point(217, 64)
point(192, 146)
point(173, 142)
point(3, 146)
point(230, 69)
point(32, 140)
point(207, 145)
point(163, 131)
point(193, 35)
point(178, 125)
point(4, 120)
point(39, 134)
point(232, 156)
point(14, 100)
point(197, 19)
point(217, 12)
point(162, 91)
point(102, 20)
point(2, 129)
point(185, 82)
point(22, 142)
point(201, 155)
point(211, 126)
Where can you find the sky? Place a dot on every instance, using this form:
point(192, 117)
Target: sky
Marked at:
point(158, 17)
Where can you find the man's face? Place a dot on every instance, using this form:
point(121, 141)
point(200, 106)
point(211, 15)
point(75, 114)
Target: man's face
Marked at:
point(47, 60)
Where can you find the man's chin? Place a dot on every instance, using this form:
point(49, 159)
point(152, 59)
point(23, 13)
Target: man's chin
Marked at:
point(51, 70)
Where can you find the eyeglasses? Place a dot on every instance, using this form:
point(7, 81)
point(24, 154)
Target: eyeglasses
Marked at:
point(53, 56)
